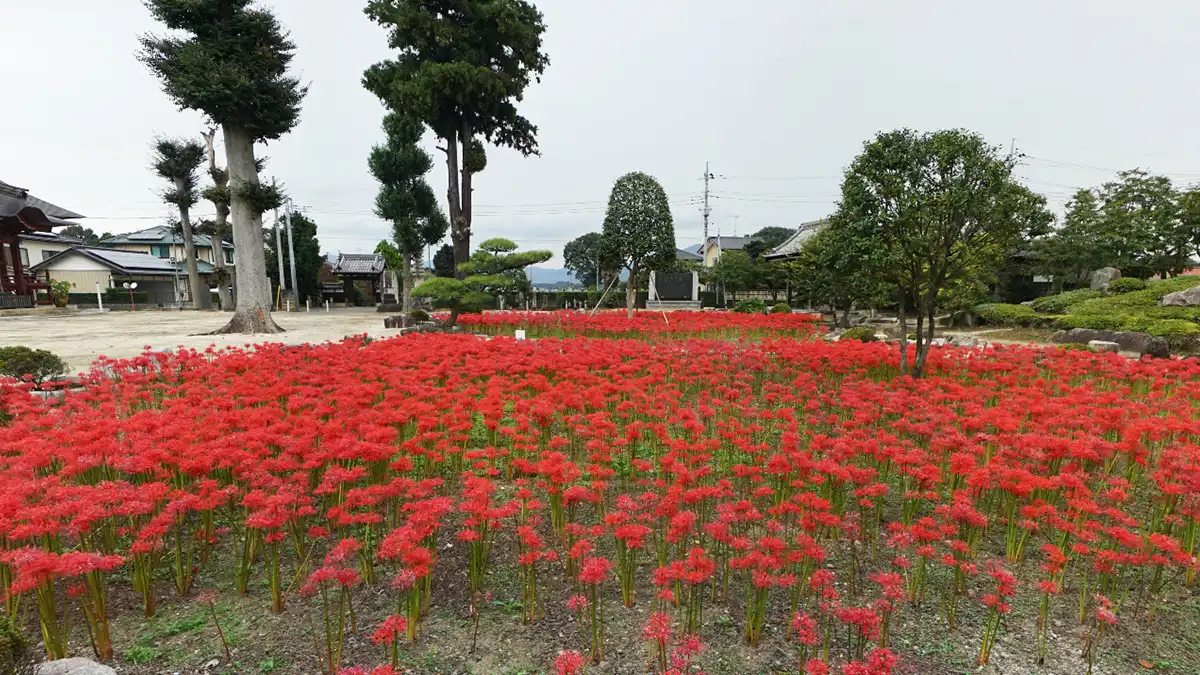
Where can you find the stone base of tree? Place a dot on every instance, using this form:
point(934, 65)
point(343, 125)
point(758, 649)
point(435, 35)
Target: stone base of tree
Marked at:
point(245, 322)
point(406, 324)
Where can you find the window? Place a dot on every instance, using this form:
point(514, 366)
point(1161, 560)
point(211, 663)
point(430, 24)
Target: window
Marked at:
point(25, 258)
point(228, 257)
point(160, 251)
point(46, 255)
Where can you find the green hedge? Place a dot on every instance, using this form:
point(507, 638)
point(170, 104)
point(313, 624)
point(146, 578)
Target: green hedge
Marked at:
point(1000, 314)
point(781, 308)
point(1126, 285)
point(17, 362)
point(1061, 303)
point(860, 333)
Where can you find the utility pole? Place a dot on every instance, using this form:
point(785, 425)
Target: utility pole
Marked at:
point(735, 219)
point(707, 211)
point(291, 248)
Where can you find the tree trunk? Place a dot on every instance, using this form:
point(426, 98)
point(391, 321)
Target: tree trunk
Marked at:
point(903, 335)
point(406, 282)
point(922, 347)
point(631, 290)
point(220, 180)
point(460, 235)
point(846, 316)
point(200, 296)
point(253, 313)
point(923, 355)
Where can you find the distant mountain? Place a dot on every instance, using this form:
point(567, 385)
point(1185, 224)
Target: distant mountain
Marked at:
point(550, 275)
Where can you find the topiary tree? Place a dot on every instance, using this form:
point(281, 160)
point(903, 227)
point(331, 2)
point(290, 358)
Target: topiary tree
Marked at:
point(443, 261)
point(639, 231)
point(404, 198)
point(496, 268)
point(461, 68)
point(231, 63)
point(176, 160)
point(40, 365)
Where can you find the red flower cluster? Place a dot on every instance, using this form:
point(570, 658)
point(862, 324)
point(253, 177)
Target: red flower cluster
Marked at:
point(786, 478)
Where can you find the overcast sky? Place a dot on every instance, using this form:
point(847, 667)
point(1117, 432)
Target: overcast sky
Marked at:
point(778, 95)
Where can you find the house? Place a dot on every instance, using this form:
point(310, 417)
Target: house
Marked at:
point(712, 248)
point(164, 242)
point(96, 268)
point(687, 256)
point(39, 246)
point(791, 248)
point(23, 215)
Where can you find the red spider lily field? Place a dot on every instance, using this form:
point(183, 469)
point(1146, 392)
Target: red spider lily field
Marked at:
point(709, 493)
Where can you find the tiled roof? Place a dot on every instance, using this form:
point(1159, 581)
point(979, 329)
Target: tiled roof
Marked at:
point(126, 262)
point(796, 242)
point(14, 199)
point(359, 263)
point(161, 234)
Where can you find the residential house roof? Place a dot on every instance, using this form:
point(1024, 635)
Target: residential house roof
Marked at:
point(791, 247)
point(681, 254)
point(729, 243)
point(162, 234)
point(52, 238)
point(16, 202)
point(359, 264)
point(125, 262)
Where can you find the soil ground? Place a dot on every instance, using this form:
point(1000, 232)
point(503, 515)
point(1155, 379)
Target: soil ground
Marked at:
point(81, 337)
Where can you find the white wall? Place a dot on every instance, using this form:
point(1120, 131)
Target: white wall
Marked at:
point(75, 263)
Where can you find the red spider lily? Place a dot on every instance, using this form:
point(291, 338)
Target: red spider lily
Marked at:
point(390, 633)
point(592, 574)
point(569, 663)
point(772, 461)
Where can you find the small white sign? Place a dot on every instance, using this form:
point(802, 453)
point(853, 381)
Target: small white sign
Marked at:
point(520, 334)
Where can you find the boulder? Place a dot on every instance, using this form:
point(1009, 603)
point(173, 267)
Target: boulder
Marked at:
point(404, 321)
point(72, 667)
point(1104, 276)
point(1104, 346)
point(1128, 341)
point(1185, 298)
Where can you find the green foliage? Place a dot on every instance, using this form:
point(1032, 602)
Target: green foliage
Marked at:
point(1138, 223)
point(1062, 302)
point(84, 234)
point(12, 647)
point(17, 362)
point(461, 68)
point(230, 63)
point(639, 231)
point(495, 268)
point(139, 655)
point(842, 266)
point(443, 261)
point(1000, 314)
point(781, 308)
point(405, 198)
point(308, 255)
point(582, 255)
point(860, 333)
point(1096, 322)
point(1126, 285)
point(418, 315)
point(751, 306)
point(944, 206)
point(772, 236)
point(175, 160)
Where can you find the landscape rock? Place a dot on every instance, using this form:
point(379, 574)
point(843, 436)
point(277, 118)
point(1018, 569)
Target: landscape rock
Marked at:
point(1129, 341)
point(1104, 276)
point(72, 667)
point(1104, 346)
point(1185, 298)
point(405, 321)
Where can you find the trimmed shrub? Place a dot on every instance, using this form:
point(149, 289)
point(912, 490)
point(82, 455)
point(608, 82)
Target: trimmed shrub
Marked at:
point(1126, 285)
point(17, 362)
point(860, 333)
point(781, 308)
point(418, 315)
point(752, 306)
point(1075, 347)
point(1061, 303)
point(1096, 322)
point(1000, 314)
